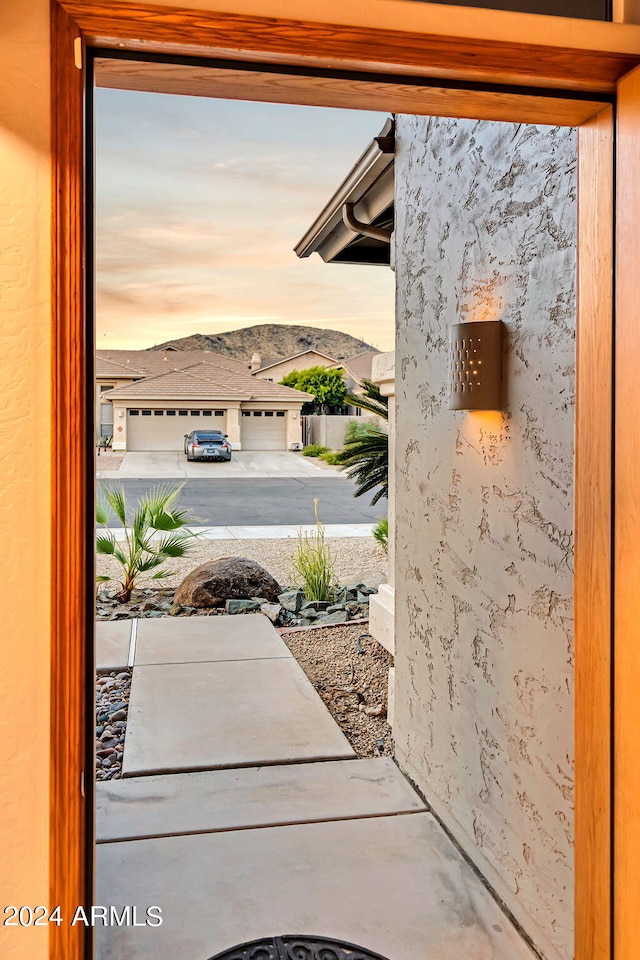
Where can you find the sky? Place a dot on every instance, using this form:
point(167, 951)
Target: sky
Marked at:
point(199, 203)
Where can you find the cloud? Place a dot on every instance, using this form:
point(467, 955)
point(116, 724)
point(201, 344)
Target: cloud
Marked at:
point(199, 205)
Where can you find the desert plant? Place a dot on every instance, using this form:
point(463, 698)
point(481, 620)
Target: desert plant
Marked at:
point(332, 457)
point(138, 554)
point(381, 533)
point(356, 429)
point(366, 458)
point(314, 450)
point(313, 564)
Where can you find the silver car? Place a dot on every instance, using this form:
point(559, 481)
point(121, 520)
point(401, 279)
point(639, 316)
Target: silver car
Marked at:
point(207, 445)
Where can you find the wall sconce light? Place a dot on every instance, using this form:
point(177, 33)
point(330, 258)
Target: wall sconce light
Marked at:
point(475, 370)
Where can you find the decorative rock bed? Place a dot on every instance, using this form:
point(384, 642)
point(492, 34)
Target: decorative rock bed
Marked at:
point(112, 706)
point(290, 609)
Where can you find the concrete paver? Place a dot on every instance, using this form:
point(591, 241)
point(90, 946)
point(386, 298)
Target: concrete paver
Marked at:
point(396, 885)
point(112, 644)
point(202, 716)
point(198, 639)
point(251, 797)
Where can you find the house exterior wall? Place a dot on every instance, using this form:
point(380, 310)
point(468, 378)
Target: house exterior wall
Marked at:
point(485, 229)
point(280, 370)
point(25, 482)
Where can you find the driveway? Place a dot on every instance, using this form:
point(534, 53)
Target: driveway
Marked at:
point(168, 465)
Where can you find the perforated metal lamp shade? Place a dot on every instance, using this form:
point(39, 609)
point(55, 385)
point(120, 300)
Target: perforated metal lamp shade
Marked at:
point(475, 365)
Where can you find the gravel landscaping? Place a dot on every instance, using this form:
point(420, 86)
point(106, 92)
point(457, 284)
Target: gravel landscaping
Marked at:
point(352, 556)
point(109, 460)
point(112, 704)
point(353, 685)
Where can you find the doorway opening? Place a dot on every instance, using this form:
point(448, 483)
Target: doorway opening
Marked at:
point(526, 236)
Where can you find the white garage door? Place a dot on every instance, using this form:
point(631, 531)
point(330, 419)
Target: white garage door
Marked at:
point(165, 429)
point(263, 430)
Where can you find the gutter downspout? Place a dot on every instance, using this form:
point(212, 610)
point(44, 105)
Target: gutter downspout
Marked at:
point(366, 229)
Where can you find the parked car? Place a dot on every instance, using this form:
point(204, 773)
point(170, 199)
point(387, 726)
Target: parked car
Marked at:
point(207, 445)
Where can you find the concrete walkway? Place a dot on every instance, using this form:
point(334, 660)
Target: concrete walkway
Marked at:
point(173, 465)
point(266, 845)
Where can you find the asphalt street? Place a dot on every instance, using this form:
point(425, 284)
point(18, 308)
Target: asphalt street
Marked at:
point(221, 502)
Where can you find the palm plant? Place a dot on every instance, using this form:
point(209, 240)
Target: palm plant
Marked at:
point(365, 456)
point(138, 554)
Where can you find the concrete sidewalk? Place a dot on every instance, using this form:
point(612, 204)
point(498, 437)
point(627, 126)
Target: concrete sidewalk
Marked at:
point(275, 532)
point(266, 845)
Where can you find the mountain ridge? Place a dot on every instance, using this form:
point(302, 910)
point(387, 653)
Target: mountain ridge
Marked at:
point(271, 340)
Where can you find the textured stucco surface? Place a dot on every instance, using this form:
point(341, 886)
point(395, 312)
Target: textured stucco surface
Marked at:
point(485, 220)
point(25, 380)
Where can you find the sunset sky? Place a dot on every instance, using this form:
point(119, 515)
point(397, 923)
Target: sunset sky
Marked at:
point(199, 205)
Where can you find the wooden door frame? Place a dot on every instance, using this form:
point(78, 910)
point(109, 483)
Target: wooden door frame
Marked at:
point(440, 72)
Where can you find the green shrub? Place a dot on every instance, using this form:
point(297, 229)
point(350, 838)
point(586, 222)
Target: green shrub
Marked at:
point(356, 430)
point(313, 564)
point(138, 554)
point(381, 533)
point(314, 450)
point(331, 457)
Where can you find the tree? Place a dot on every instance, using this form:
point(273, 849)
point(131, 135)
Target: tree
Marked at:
point(365, 456)
point(326, 385)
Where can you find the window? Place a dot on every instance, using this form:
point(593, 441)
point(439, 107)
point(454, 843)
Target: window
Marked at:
point(218, 413)
point(206, 413)
point(170, 413)
point(195, 413)
point(280, 413)
point(146, 413)
point(257, 413)
point(183, 413)
point(268, 413)
point(133, 413)
point(246, 413)
point(158, 413)
point(105, 386)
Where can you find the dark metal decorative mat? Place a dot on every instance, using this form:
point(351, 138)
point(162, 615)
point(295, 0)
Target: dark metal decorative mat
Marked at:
point(297, 948)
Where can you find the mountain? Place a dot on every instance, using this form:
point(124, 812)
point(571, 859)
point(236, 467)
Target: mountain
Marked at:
point(273, 340)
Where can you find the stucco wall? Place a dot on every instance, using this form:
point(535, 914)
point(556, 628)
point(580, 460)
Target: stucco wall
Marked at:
point(485, 220)
point(25, 382)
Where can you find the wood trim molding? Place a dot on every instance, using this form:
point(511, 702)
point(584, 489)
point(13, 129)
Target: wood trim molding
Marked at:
point(627, 529)
point(171, 29)
point(593, 524)
point(68, 877)
point(323, 91)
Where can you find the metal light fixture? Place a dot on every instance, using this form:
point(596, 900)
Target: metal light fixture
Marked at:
point(475, 371)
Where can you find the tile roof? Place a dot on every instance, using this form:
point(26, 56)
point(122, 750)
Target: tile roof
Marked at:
point(359, 366)
point(151, 362)
point(205, 380)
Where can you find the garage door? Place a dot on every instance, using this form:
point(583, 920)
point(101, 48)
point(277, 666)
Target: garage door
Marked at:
point(263, 430)
point(165, 429)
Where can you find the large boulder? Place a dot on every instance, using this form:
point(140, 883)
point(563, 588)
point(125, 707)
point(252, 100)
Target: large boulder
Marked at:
point(230, 578)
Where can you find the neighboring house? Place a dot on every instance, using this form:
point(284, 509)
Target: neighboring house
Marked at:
point(482, 553)
point(149, 399)
point(276, 369)
point(356, 368)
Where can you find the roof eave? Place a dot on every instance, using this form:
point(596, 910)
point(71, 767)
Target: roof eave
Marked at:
point(373, 163)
